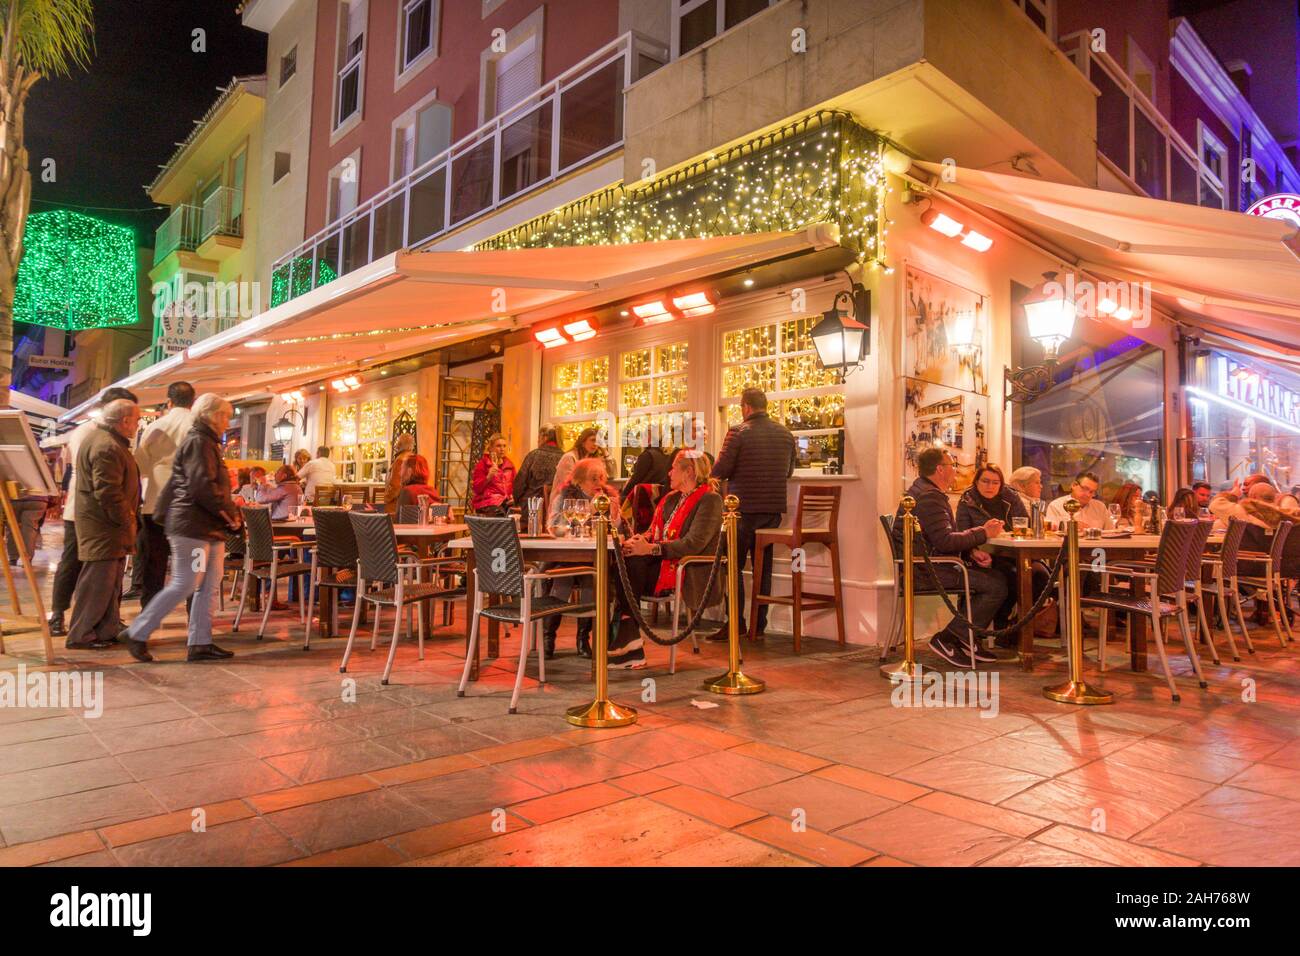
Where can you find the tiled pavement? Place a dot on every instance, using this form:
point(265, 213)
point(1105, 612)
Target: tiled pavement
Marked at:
point(280, 767)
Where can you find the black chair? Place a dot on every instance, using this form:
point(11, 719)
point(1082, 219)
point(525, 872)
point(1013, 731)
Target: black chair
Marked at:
point(333, 561)
point(1271, 580)
point(499, 570)
point(234, 565)
point(1223, 568)
point(922, 585)
point(1166, 579)
point(267, 560)
point(379, 563)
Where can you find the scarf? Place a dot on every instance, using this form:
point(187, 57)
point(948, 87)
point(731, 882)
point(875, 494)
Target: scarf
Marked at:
point(671, 532)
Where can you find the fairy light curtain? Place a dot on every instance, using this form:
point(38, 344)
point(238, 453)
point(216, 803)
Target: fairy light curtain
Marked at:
point(77, 272)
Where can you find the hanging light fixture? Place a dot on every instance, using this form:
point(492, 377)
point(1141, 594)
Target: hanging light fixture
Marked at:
point(1049, 314)
point(843, 336)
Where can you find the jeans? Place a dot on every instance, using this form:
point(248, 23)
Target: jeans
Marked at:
point(29, 513)
point(197, 567)
point(989, 595)
point(745, 528)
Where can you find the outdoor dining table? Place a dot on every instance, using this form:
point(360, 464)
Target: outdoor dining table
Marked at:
point(540, 548)
point(1026, 551)
point(405, 534)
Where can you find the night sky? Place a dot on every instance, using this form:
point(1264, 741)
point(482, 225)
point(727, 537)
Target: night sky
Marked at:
point(110, 127)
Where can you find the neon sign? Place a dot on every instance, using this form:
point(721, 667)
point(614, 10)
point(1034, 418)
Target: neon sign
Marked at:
point(1245, 386)
point(1284, 206)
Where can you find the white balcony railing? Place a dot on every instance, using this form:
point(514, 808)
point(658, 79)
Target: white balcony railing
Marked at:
point(567, 123)
point(223, 214)
point(179, 231)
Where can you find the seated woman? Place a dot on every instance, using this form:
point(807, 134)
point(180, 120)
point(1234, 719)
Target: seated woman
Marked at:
point(1127, 497)
point(415, 481)
point(493, 482)
point(989, 497)
point(687, 522)
point(283, 496)
point(1184, 498)
point(587, 480)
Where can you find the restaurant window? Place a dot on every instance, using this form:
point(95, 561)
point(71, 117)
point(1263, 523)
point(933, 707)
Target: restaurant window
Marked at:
point(343, 441)
point(696, 22)
point(360, 433)
point(779, 357)
point(579, 396)
point(1105, 412)
point(652, 398)
point(1214, 167)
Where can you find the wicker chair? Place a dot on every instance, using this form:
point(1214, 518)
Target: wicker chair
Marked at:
point(1271, 580)
point(267, 560)
point(1223, 567)
point(1167, 579)
point(333, 561)
point(400, 588)
point(495, 539)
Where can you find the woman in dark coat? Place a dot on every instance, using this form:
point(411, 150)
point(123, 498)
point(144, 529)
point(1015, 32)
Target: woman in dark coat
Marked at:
point(198, 513)
point(989, 497)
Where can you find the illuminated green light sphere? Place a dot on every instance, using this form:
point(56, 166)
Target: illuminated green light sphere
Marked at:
point(77, 272)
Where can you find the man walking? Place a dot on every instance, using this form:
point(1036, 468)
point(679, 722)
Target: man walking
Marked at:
point(757, 459)
point(155, 455)
point(65, 577)
point(108, 505)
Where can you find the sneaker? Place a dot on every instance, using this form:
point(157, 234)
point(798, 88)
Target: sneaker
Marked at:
point(948, 649)
point(982, 654)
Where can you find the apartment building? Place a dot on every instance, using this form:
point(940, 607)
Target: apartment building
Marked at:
point(622, 213)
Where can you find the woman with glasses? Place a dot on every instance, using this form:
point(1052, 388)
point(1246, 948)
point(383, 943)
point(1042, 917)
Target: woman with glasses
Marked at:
point(987, 498)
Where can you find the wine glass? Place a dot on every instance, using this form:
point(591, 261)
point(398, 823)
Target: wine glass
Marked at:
point(584, 518)
point(1116, 514)
point(570, 511)
point(1176, 514)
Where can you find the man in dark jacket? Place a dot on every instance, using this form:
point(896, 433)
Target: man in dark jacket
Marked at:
point(538, 469)
point(757, 459)
point(988, 588)
point(198, 512)
point(107, 488)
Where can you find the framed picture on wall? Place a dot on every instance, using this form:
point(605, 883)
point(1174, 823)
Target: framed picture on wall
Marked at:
point(938, 415)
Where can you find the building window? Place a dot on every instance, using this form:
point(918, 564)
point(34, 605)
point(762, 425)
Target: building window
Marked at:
point(1141, 71)
point(419, 135)
point(579, 396)
point(696, 22)
point(288, 65)
point(779, 357)
point(352, 41)
point(281, 167)
point(1214, 167)
point(417, 29)
point(343, 187)
point(1041, 13)
point(360, 433)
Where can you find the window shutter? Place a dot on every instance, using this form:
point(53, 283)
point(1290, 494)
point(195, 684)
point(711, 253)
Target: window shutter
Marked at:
point(516, 74)
point(432, 132)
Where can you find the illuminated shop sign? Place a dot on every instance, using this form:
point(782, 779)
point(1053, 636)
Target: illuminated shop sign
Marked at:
point(1246, 386)
point(1284, 206)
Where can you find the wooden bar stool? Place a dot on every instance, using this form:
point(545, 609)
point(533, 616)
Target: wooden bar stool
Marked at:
point(813, 502)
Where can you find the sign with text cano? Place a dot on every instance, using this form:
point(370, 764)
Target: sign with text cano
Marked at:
point(50, 361)
point(1247, 386)
point(1284, 206)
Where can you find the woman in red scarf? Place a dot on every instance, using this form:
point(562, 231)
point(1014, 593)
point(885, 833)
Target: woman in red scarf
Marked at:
point(687, 521)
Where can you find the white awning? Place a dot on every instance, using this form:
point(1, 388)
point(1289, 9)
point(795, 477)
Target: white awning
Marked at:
point(410, 302)
point(1221, 270)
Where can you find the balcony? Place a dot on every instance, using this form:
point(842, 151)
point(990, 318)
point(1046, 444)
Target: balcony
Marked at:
point(180, 232)
point(221, 223)
point(568, 123)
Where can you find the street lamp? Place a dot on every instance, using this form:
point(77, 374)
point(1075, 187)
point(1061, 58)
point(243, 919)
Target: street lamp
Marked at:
point(1049, 314)
point(842, 338)
point(283, 429)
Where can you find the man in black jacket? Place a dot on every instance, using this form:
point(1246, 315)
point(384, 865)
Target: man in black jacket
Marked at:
point(538, 468)
point(988, 588)
point(757, 459)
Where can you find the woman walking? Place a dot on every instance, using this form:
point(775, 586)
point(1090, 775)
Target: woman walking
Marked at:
point(199, 513)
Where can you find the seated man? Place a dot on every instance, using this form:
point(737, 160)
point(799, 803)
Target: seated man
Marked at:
point(988, 588)
point(1093, 514)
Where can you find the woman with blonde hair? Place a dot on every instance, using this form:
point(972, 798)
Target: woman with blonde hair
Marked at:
point(493, 484)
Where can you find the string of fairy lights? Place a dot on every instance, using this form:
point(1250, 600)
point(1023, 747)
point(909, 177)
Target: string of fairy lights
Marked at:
point(77, 272)
point(822, 168)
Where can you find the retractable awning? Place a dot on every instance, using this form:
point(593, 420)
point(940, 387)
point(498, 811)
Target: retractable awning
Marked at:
point(410, 302)
point(1221, 270)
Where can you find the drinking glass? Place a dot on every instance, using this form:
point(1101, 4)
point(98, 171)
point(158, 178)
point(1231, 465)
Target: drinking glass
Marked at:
point(1176, 514)
point(1019, 527)
point(423, 502)
point(570, 512)
point(1116, 514)
point(584, 518)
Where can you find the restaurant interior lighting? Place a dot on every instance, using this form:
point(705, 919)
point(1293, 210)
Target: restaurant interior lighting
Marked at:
point(1107, 305)
point(1050, 315)
point(842, 338)
point(694, 303)
point(975, 240)
point(256, 344)
point(941, 223)
point(582, 329)
point(1123, 313)
point(348, 384)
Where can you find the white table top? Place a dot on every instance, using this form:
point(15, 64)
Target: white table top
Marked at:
point(1147, 542)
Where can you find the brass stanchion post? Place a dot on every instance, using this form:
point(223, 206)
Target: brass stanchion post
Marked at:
point(602, 712)
point(906, 669)
point(1075, 690)
point(733, 681)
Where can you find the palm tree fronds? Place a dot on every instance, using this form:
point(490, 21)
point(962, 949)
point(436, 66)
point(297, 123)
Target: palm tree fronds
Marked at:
point(53, 35)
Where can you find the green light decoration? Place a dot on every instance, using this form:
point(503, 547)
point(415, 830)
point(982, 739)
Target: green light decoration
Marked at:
point(283, 288)
point(77, 272)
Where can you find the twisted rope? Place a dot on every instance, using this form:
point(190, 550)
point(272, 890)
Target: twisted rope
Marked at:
point(696, 616)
